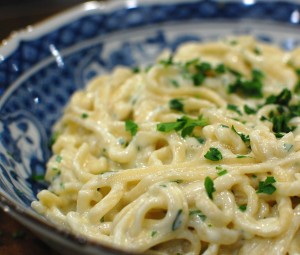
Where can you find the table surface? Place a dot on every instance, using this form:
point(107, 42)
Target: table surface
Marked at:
point(17, 240)
point(17, 14)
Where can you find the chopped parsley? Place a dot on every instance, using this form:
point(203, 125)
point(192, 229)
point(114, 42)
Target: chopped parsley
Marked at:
point(209, 187)
point(198, 213)
point(198, 79)
point(38, 177)
point(175, 83)
point(248, 88)
point(58, 158)
point(221, 171)
point(203, 67)
point(213, 154)
point(56, 171)
point(297, 86)
point(84, 115)
point(200, 139)
point(283, 98)
point(123, 142)
point(257, 51)
point(267, 186)
point(233, 42)
point(53, 138)
point(280, 123)
point(176, 104)
point(243, 156)
point(245, 138)
point(288, 146)
point(220, 69)
point(178, 181)
point(167, 62)
point(248, 110)
point(131, 126)
point(234, 108)
point(203, 70)
point(177, 221)
point(136, 69)
point(184, 124)
point(284, 113)
point(279, 135)
point(243, 208)
point(153, 233)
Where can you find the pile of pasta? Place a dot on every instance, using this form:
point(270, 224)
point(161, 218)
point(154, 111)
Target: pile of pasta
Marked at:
point(198, 153)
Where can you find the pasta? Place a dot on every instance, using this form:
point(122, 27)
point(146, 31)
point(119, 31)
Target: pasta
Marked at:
point(196, 154)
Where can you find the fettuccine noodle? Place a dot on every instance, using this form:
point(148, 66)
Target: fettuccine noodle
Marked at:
point(196, 154)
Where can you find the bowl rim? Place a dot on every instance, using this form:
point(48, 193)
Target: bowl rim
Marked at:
point(10, 44)
point(48, 24)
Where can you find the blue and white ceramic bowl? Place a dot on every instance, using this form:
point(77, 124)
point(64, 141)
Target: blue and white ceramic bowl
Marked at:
point(43, 65)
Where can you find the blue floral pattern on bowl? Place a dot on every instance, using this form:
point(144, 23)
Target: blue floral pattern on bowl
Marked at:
point(39, 75)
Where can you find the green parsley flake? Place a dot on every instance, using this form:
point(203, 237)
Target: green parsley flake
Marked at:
point(234, 108)
point(185, 124)
point(267, 186)
point(245, 138)
point(177, 221)
point(154, 233)
point(198, 213)
point(135, 69)
point(84, 115)
point(220, 69)
point(297, 87)
point(131, 126)
point(167, 62)
point(204, 67)
point(209, 187)
point(281, 123)
point(200, 140)
point(221, 171)
point(123, 142)
point(178, 181)
point(248, 110)
point(243, 208)
point(248, 88)
point(224, 126)
point(233, 42)
point(283, 98)
point(191, 63)
point(288, 146)
point(175, 83)
point(198, 79)
point(38, 177)
point(58, 158)
point(243, 156)
point(176, 104)
point(203, 70)
point(53, 138)
point(257, 51)
point(213, 154)
point(56, 171)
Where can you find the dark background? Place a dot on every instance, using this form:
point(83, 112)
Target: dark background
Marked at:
point(15, 15)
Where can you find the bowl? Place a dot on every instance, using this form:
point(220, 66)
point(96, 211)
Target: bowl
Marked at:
point(42, 65)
